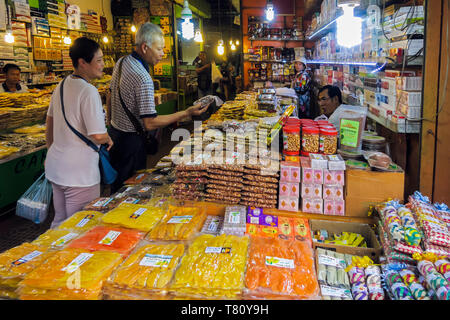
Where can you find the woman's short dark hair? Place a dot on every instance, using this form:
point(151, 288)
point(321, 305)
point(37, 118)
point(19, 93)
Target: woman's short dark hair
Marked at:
point(10, 66)
point(83, 48)
point(333, 91)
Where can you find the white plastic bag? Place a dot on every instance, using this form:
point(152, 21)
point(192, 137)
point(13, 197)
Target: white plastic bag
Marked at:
point(35, 202)
point(216, 75)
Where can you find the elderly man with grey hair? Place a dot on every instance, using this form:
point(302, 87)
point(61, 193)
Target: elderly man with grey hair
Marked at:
point(131, 106)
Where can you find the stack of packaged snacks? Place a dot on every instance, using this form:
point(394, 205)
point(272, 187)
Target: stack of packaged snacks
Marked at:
point(70, 274)
point(435, 229)
point(270, 226)
point(260, 186)
point(179, 223)
point(134, 216)
point(146, 274)
point(289, 193)
point(81, 221)
point(436, 277)
point(190, 182)
point(311, 187)
point(402, 282)
point(333, 279)
point(16, 263)
point(56, 239)
point(225, 183)
point(104, 238)
point(365, 278)
point(213, 225)
point(399, 226)
point(280, 269)
point(333, 186)
point(235, 221)
point(219, 264)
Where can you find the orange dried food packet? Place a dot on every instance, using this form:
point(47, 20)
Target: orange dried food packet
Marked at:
point(55, 238)
point(70, 274)
point(82, 221)
point(149, 269)
point(134, 216)
point(136, 179)
point(280, 269)
point(103, 238)
point(179, 223)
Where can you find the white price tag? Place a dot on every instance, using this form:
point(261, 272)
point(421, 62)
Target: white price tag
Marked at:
point(63, 240)
point(27, 258)
point(180, 219)
point(110, 238)
point(280, 262)
point(155, 260)
point(77, 262)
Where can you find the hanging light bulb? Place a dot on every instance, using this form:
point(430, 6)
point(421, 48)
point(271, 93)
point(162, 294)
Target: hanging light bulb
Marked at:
point(233, 47)
point(231, 42)
point(105, 39)
point(187, 27)
point(198, 37)
point(67, 40)
point(133, 28)
point(9, 38)
point(349, 28)
point(220, 48)
point(237, 42)
point(270, 13)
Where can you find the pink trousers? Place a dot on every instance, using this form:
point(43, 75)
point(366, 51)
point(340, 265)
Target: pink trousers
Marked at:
point(69, 200)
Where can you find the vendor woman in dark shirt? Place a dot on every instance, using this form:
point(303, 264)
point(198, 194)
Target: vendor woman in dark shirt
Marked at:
point(12, 83)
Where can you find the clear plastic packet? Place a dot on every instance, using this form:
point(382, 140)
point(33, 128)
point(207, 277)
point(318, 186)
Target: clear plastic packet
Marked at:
point(179, 223)
point(213, 225)
point(56, 239)
point(147, 273)
point(378, 160)
point(103, 204)
point(350, 122)
point(16, 263)
point(279, 269)
point(70, 274)
point(81, 221)
point(104, 238)
point(134, 216)
point(235, 220)
point(219, 263)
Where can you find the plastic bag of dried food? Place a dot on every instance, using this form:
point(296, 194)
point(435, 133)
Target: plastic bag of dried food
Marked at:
point(81, 221)
point(219, 264)
point(378, 160)
point(278, 269)
point(103, 204)
point(147, 272)
point(134, 216)
point(350, 122)
point(16, 263)
point(70, 274)
point(56, 238)
point(179, 223)
point(106, 238)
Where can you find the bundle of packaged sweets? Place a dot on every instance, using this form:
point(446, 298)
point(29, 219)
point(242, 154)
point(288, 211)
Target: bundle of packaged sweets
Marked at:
point(436, 276)
point(81, 221)
point(401, 228)
point(235, 220)
point(365, 278)
point(333, 279)
point(134, 216)
point(70, 274)
point(402, 282)
point(56, 238)
point(219, 263)
point(436, 231)
point(179, 223)
point(213, 225)
point(106, 238)
point(16, 263)
point(279, 269)
point(391, 255)
point(146, 273)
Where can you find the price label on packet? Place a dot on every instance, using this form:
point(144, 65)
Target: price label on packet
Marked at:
point(218, 250)
point(214, 224)
point(27, 258)
point(234, 217)
point(63, 240)
point(77, 262)
point(280, 262)
point(138, 213)
point(180, 219)
point(155, 260)
point(85, 220)
point(331, 261)
point(335, 292)
point(110, 238)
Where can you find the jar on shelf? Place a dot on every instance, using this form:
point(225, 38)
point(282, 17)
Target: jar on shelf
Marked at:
point(328, 141)
point(291, 139)
point(310, 139)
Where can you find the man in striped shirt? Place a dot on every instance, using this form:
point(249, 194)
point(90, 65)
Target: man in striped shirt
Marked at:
point(136, 89)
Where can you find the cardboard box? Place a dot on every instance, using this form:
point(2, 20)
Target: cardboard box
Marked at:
point(369, 188)
point(373, 250)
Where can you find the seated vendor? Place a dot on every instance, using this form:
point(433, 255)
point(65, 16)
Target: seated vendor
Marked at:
point(330, 98)
point(12, 83)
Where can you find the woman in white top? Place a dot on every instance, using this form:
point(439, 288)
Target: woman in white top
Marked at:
point(71, 165)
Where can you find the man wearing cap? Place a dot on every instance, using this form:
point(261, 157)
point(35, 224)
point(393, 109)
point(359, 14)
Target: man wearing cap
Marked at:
point(302, 85)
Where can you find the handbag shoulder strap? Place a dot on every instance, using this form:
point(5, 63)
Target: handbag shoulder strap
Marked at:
point(78, 134)
point(137, 125)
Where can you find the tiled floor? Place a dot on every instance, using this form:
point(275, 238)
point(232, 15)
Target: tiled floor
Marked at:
point(15, 230)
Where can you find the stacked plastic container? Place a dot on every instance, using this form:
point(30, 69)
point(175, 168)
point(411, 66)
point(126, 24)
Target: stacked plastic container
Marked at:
point(289, 191)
